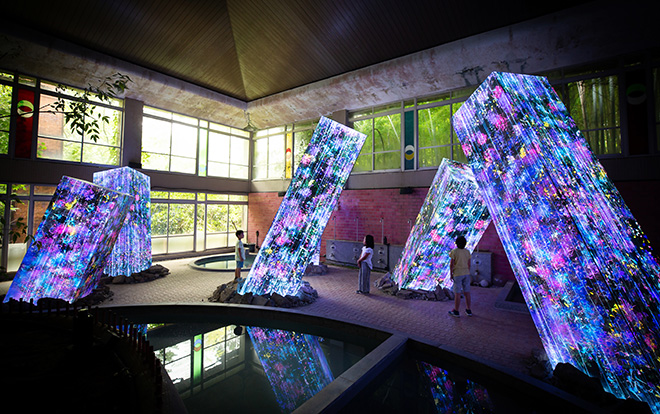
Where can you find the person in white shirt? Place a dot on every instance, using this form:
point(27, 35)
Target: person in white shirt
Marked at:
point(365, 265)
point(240, 254)
point(459, 268)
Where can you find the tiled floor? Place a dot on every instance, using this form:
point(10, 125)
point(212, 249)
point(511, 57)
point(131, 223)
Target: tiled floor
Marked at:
point(499, 336)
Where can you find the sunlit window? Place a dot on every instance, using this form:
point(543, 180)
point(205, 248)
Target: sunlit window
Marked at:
point(382, 148)
point(57, 140)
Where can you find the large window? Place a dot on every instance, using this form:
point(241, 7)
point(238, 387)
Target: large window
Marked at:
point(594, 105)
point(179, 143)
point(5, 110)
point(436, 138)
point(22, 207)
point(59, 142)
point(186, 222)
point(382, 148)
point(269, 154)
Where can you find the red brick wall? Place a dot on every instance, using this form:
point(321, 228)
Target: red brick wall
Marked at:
point(359, 212)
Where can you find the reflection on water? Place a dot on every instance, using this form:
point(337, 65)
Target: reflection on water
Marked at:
point(224, 262)
point(294, 364)
point(230, 369)
point(453, 394)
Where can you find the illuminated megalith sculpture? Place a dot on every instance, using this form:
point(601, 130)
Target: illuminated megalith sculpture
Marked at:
point(584, 266)
point(453, 207)
point(132, 251)
point(70, 249)
point(294, 363)
point(296, 231)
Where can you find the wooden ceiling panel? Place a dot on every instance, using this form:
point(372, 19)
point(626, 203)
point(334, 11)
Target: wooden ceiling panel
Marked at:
point(249, 49)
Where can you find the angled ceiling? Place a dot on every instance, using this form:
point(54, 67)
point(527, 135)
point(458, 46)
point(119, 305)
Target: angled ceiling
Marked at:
point(250, 49)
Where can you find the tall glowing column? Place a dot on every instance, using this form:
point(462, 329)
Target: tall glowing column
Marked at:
point(584, 266)
point(294, 363)
point(72, 244)
point(453, 207)
point(296, 231)
point(132, 252)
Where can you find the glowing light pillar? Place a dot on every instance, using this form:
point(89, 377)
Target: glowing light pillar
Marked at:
point(71, 246)
point(453, 207)
point(584, 266)
point(132, 252)
point(305, 210)
point(294, 363)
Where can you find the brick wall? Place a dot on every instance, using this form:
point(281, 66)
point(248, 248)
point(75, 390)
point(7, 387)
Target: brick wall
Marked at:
point(359, 212)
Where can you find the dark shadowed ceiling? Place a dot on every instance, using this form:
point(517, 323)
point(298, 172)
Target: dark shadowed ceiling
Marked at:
point(249, 49)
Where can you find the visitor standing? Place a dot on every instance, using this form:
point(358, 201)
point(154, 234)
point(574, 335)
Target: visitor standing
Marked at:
point(459, 268)
point(365, 264)
point(240, 254)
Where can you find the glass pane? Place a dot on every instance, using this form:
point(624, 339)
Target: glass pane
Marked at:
point(300, 142)
point(433, 99)
point(147, 110)
point(47, 190)
point(434, 126)
point(18, 231)
point(182, 218)
point(52, 124)
point(99, 154)
point(366, 127)
point(156, 135)
point(159, 245)
point(594, 103)
point(158, 219)
point(185, 119)
point(56, 149)
point(387, 133)
point(240, 151)
point(276, 156)
point(39, 209)
point(214, 337)
point(214, 356)
point(203, 152)
point(183, 165)
point(234, 197)
point(152, 161)
point(182, 196)
point(109, 132)
point(239, 171)
point(216, 218)
point(216, 169)
point(363, 163)
point(604, 141)
point(180, 244)
point(214, 241)
point(217, 197)
point(159, 194)
point(201, 226)
point(5, 109)
point(218, 147)
point(184, 141)
point(432, 157)
point(20, 189)
point(237, 217)
point(459, 155)
point(387, 160)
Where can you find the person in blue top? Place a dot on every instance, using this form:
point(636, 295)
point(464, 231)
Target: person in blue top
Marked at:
point(459, 268)
point(240, 254)
point(365, 264)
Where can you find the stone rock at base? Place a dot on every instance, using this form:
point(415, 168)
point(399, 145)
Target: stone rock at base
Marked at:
point(117, 280)
point(226, 295)
point(247, 299)
point(259, 300)
point(440, 293)
point(448, 293)
point(404, 294)
point(236, 298)
point(278, 299)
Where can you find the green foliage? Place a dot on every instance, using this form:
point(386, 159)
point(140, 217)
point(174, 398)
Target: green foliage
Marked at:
point(82, 115)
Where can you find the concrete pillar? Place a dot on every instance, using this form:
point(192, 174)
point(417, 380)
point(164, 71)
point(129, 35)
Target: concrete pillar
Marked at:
point(132, 147)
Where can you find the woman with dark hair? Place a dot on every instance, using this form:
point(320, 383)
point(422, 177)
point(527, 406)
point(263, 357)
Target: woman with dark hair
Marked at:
point(365, 265)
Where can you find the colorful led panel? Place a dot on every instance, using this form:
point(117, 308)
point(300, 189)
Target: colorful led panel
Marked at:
point(296, 231)
point(72, 244)
point(132, 252)
point(583, 264)
point(453, 394)
point(294, 363)
point(453, 207)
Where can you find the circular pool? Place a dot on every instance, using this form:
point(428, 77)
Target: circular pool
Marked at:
point(221, 262)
